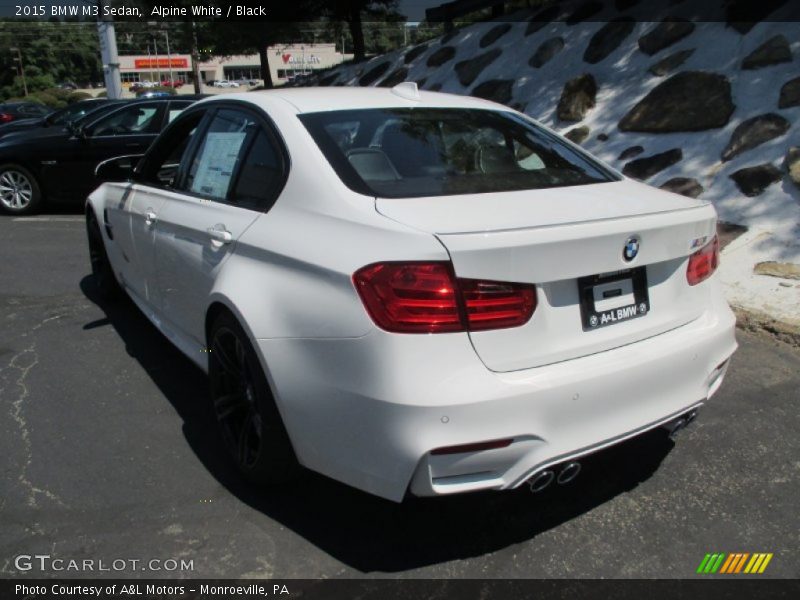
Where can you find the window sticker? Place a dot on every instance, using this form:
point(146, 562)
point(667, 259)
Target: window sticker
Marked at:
point(216, 164)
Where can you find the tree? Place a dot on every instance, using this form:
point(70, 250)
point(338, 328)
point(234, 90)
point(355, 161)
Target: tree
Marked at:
point(351, 11)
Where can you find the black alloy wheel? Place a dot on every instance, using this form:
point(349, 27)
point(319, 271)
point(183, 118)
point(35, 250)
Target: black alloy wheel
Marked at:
point(247, 416)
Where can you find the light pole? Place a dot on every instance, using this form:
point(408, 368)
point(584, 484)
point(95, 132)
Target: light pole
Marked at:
point(108, 52)
point(169, 60)
point(18, 59)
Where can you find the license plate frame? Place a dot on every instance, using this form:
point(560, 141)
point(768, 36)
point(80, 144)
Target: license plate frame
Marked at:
point(593, 319)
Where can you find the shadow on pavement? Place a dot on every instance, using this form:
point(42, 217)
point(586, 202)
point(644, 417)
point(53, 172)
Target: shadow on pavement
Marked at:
point(367, 533)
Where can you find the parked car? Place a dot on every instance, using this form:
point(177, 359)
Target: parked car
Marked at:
point(224, 83)
point(178, 83)
point(58, 118)
point(55, 166)
point(12, 111)
point(443, 297)
point(153, 94)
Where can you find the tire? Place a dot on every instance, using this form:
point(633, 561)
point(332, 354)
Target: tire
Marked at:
point(246, 414)
point(104, 279)
point(20, 193)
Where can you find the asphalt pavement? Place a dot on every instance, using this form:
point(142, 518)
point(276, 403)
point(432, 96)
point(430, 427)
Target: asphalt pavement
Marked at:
point(109, 452)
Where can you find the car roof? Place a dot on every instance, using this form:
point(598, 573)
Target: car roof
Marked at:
point(319, 99)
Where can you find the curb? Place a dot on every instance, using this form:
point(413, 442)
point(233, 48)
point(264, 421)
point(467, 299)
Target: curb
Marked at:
point(759, 322)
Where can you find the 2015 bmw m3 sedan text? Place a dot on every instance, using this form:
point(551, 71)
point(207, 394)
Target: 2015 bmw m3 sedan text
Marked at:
point(412, 292)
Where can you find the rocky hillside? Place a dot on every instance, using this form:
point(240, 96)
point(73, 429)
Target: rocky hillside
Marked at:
point(708, 110)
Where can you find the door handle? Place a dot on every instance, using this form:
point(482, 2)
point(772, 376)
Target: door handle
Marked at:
point(218, 233)
point(150, 217)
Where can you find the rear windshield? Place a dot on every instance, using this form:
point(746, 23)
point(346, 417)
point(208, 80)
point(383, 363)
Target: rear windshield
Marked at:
point(415, 152)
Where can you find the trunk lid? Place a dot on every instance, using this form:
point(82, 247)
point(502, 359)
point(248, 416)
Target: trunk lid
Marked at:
point(558, 239)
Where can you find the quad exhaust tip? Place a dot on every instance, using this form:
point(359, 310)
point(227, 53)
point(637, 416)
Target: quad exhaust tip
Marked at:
point(674, 427)
point(543, 479)
point(568, 473)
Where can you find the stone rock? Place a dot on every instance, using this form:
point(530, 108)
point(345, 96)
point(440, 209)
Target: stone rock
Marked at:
point(630, 152)
point(670, 63)
point(435, 87)
point(790, 94)
point(778, 269)
point(449, 36)
point(395, 77)
point(546, 51)
point(685, 186)
point(441, 56)
point(578, 135)
point(372, 75)
point(774, 51)
point(496, 32)
point(751, 181)
point(754, 132)
point(792, 164)
point(414, 53)
point(607, 39)
point(687, 101)
point(644, 168)
point(583, 12)
point(602, 137)
point(666, 33)
point(541, 19)
point(421, 82)
point(727, 232)
point(496, 90)
point(577, 97)
point(468, 70)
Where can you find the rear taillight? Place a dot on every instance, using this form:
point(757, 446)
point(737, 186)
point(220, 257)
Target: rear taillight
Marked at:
point(6, 118)
point(417, 297)
point(703, 263)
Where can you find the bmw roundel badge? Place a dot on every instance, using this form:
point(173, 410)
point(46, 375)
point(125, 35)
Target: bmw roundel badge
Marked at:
point(631, 249)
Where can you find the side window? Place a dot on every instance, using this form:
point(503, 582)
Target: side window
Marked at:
point(164, 160)
point(127, 121)
point(176, 108)
point(220, 152)
point(259, 176)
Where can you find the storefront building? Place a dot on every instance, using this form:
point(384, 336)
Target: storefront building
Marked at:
point(285, 62)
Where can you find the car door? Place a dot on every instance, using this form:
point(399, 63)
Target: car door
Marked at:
point(133, 219)
point(128, 130)
point(236, 172)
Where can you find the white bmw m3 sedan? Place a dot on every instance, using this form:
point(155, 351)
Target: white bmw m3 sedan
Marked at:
point(412, 292)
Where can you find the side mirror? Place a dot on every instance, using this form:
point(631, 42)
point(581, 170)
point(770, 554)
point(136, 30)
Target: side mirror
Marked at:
point(118, 169)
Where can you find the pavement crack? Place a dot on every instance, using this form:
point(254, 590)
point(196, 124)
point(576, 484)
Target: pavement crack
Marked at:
point(23, 362)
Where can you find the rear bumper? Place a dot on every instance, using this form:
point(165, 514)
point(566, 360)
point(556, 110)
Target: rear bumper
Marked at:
point(368, 411)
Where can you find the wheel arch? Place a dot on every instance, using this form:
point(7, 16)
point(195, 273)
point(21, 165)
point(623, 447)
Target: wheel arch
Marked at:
point(220, 303)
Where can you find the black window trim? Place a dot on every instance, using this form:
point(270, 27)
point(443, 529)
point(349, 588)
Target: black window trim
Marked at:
point(138, 172)
point(269, 127)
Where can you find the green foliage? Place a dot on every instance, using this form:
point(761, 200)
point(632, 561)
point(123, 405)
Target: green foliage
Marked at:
point(51, 52)
point(78, 96)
